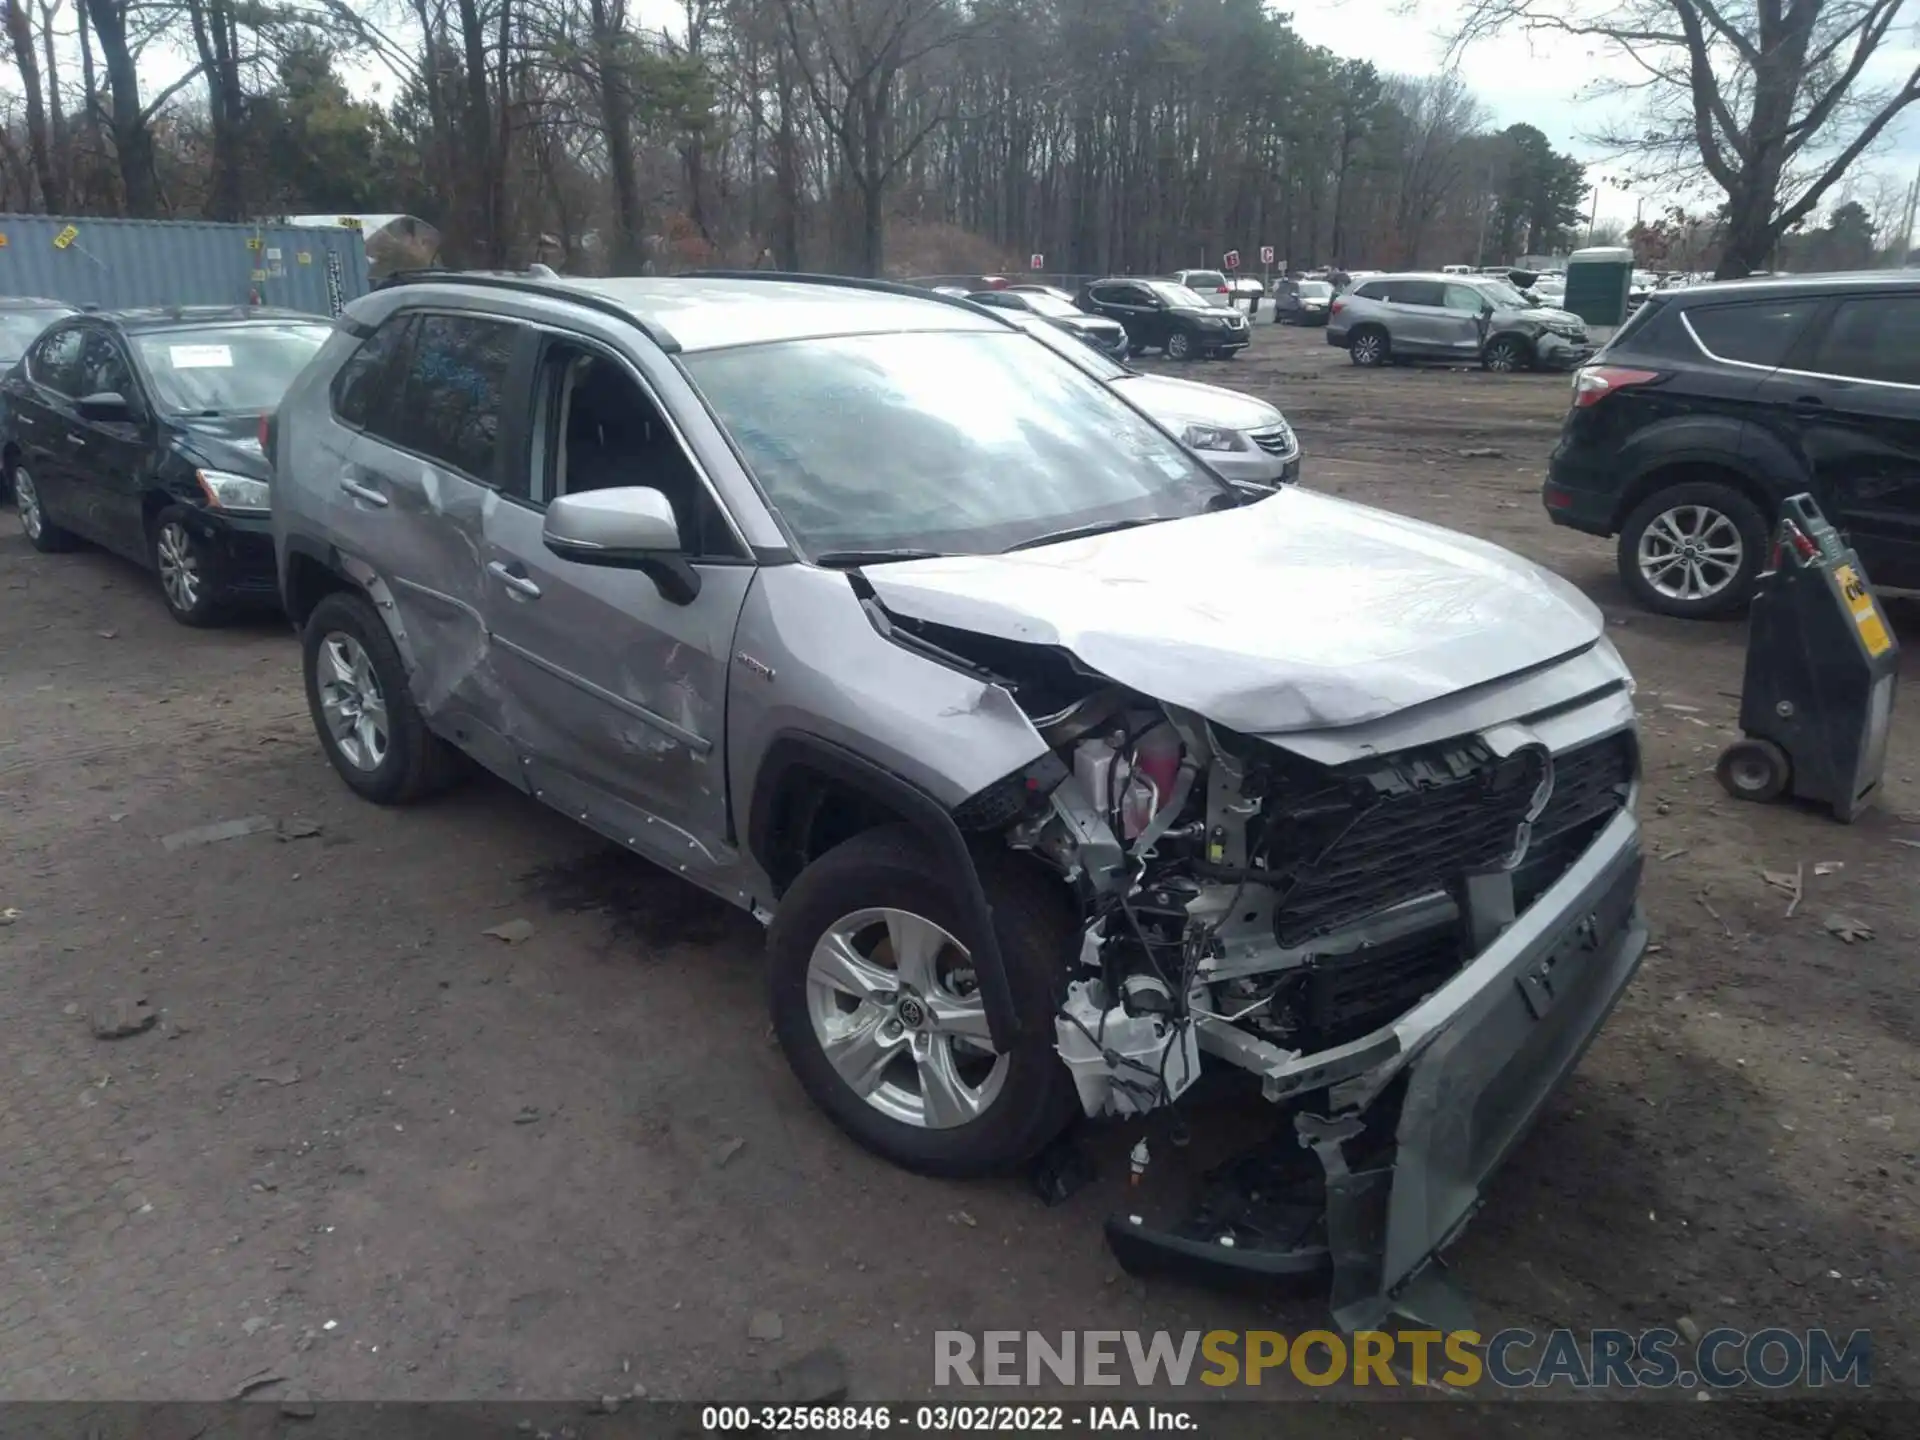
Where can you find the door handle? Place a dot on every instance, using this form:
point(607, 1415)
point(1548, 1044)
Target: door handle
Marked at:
point(513, 580)
point(1808, 404)
point(76, 442)
point(362, 492)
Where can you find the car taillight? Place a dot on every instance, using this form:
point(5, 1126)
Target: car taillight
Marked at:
point(1593, 383)
point(1337, 306)
point(266, 434)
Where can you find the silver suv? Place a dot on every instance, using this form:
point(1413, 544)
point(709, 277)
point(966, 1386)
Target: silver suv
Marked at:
point(1454, 317)
point(1058, 768)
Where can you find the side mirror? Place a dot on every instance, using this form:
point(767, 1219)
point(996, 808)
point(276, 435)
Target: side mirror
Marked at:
point(630, 528)
point(107, 407)
point(1486, 309)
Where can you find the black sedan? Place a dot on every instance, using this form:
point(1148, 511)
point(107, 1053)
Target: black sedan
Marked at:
point(1109, 337)
point(139, 430)
point(22, 318)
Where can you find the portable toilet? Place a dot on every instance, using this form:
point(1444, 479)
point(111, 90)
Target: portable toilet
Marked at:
point(1597, 284)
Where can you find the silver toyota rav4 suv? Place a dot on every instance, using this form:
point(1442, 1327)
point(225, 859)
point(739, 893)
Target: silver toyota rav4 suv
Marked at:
point(1059, 769)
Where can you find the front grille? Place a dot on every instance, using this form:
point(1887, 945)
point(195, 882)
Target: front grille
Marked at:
point(1588, 783)
point(1345, 996)
point(1404, 827)
point(1277, 441)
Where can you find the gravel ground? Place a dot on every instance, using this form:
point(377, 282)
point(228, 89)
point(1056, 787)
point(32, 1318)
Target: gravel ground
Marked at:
point(376, 1151)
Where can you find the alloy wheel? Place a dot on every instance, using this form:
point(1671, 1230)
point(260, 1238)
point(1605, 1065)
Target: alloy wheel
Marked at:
point(1367, 350)
point(179, 566)
point(896, 1012)
point(1691, 552)
point(1179, 347)
point(1502, 358)
point(27, 501)
point(352, 701)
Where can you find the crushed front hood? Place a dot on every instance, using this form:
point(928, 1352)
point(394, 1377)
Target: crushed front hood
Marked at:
point(1295, 613)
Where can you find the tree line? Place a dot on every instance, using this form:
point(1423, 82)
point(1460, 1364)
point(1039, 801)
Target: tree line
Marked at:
point(872, 136)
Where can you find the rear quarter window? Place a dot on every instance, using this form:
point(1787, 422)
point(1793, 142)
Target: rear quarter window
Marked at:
point(1756, 332)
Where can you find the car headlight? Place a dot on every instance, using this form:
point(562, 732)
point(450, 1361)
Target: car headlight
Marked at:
point(226, 491)
point(1210, 437)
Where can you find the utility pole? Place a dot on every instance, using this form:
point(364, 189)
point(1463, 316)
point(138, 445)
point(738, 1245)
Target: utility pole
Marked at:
point(1593, 214)
point(1906, 230)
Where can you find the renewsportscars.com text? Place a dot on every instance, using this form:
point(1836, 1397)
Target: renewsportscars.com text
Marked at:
point(1722, 1359)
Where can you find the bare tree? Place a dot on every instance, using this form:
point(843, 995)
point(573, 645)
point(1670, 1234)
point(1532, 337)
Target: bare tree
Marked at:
point(851, 55)
point(1766, 99)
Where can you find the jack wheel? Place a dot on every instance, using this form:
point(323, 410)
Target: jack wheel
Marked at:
point(1754, 770)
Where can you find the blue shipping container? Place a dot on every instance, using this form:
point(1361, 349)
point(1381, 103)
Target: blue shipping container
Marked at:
point(115, 264)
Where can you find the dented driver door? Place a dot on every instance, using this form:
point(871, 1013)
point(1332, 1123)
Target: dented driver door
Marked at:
point(615, 695)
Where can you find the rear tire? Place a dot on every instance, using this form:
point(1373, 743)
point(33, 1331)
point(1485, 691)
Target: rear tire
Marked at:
point(363, 710)
point(1369, 348)
point(1728, 538)
point(1008, 1106)
point(45, 536)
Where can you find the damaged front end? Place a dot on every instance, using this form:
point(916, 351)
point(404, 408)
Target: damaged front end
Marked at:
point(1407, 931)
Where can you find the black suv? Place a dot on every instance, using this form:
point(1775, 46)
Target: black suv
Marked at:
point(1713, 403)
point(1165, 315)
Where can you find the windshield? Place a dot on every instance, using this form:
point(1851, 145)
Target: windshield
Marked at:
point(1048, 304)
point(215, 369)
point(20, 328)
point(950, 441)
point(1178, 296)
point(1315, 289)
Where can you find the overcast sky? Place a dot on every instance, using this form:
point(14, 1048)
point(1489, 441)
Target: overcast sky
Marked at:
point(1543, 80)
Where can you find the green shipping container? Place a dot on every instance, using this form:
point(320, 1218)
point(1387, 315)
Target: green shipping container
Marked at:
point(1597, 283)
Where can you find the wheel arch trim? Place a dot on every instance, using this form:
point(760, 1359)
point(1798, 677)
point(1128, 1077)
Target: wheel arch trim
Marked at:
point(793, 750)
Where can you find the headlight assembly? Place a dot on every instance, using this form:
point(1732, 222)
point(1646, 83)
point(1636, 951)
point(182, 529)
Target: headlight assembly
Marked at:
point(226, 491)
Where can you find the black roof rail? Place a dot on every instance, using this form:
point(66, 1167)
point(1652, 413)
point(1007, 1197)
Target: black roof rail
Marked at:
point(530, 283)
point(848, 282)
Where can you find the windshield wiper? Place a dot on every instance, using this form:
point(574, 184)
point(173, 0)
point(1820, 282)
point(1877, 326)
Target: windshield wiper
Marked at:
point(834, 559)
point(1080, 532)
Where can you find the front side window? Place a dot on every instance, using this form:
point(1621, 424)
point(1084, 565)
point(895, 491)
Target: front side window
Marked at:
point(1758, 333)
point(1873, 338)
point(103, 368)
point(451, 398)
point(55, 361)
point(956, 442)
point(227, 369)
point(1465, 298)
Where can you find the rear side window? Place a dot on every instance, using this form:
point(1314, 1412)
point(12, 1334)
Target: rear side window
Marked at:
point(450, 406)
point(371, 375)
point(1758, 333)
point(1873, 338)
point(1371, 290)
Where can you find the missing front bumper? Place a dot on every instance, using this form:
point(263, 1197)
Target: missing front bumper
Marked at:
point(1375, 1184)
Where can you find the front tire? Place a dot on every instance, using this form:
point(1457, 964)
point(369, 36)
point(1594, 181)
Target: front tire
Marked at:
point(1179, 346)
point(363, 710)
point(187, 574)
point(1504, 355)
point(45, 536)
point(1692, 550)
point(874, 1004)
point(1369, 348)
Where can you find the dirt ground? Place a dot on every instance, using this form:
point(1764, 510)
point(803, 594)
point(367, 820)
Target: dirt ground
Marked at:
point(377, 1152)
